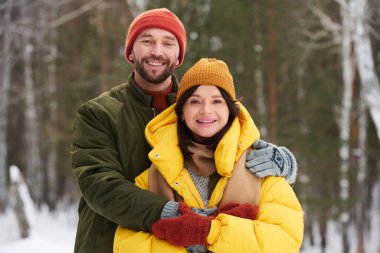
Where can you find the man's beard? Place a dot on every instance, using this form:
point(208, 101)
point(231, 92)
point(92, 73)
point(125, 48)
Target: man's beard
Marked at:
point(169, 70)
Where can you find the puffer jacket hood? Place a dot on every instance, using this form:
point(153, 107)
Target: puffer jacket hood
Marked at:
point(161, 134)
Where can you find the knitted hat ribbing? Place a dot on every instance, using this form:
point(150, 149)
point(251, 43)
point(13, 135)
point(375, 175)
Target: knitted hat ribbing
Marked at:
point(208, 71)
point(157, 18)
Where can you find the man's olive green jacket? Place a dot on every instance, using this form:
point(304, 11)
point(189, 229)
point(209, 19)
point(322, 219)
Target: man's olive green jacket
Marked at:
point(108, 151)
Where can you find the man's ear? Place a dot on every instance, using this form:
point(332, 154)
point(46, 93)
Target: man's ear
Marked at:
point(177, 63)
point(130, 57)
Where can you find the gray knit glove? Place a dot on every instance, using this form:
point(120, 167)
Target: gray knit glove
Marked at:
point(170, 210)
point(270, 160)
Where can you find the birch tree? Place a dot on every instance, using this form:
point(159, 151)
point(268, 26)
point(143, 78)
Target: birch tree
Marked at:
point(19, 196)
point(361, 152)
point(370, 97)
point(342, 34)
point(348, 70)
point(356, 54)
point(6, 65)
point(49, 14)
point(33, 154)
point(364, 55)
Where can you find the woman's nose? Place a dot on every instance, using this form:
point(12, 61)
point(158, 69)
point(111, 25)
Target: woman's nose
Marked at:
point(205, 108)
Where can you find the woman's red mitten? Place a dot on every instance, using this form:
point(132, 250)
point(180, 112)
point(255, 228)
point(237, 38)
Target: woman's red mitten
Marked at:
point(246, 210)
point(186, 230)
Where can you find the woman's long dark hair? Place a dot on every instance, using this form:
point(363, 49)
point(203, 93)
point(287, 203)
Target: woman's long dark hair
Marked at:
point(185, 135)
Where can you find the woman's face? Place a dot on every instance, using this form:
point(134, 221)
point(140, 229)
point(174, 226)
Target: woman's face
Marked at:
point(205, 112)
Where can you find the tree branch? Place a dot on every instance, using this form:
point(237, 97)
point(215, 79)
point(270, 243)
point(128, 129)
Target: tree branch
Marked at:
point(326, 21)
point(74, 14)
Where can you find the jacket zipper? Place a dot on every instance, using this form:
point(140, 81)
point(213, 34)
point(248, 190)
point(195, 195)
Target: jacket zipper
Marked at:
point(154, 112)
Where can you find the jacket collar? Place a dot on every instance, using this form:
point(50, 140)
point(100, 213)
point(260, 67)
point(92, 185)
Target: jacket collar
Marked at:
point(147, 99)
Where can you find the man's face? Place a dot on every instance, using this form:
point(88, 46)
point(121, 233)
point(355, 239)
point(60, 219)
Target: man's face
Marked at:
point(155, 55)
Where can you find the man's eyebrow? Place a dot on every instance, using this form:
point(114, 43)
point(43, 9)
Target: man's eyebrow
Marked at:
point(170, 37)
point(146, 35)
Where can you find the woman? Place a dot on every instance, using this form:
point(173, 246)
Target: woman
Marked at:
point(199, 149)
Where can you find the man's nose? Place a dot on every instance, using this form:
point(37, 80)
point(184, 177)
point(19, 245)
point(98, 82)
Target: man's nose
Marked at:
point(156, 50)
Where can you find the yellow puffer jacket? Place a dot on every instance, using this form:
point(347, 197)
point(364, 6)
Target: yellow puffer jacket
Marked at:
point(279, 225)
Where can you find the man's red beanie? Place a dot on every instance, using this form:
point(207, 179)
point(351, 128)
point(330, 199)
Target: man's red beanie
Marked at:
point(157, 18)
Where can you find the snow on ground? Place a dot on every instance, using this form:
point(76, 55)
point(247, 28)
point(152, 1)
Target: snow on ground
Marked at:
point(50, 233)
point(56, 233)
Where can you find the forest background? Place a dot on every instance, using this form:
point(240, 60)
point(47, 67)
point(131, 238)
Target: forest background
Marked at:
point(308, 71)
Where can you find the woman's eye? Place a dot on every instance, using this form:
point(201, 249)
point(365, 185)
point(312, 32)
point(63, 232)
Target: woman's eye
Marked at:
point(194, 101)
point(218, 101)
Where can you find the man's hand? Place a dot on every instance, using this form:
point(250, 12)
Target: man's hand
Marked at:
point(270, 160)
point(170, 210)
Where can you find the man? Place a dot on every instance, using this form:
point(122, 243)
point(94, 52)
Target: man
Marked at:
point(109, 148)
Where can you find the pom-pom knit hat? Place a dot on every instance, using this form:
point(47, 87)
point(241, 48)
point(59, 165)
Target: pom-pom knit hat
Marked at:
point(208, 71)
point(157, 18)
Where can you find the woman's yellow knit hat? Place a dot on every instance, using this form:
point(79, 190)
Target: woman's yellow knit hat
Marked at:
point(208, 71)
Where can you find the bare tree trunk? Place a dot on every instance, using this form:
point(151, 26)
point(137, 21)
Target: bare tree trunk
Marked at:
point(103, 50)
point(260, 100)
point(322, 221)
point(301, 94)
point(361, 205)
point(6, 66)
point(53, 112)
point(17, 182)
point(33, 158)
point(24, 203)
point(370, 97)
point(259, 83)
point(271, 69)
point(345, 120)
point(31, 129)
point(366, 66)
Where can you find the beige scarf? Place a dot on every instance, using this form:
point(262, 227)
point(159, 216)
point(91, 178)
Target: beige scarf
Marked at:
point(202, 160)
point(241, 188)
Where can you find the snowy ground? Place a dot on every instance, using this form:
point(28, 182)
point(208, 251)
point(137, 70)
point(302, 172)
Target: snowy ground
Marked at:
point(56, 233)
point(50, 233)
